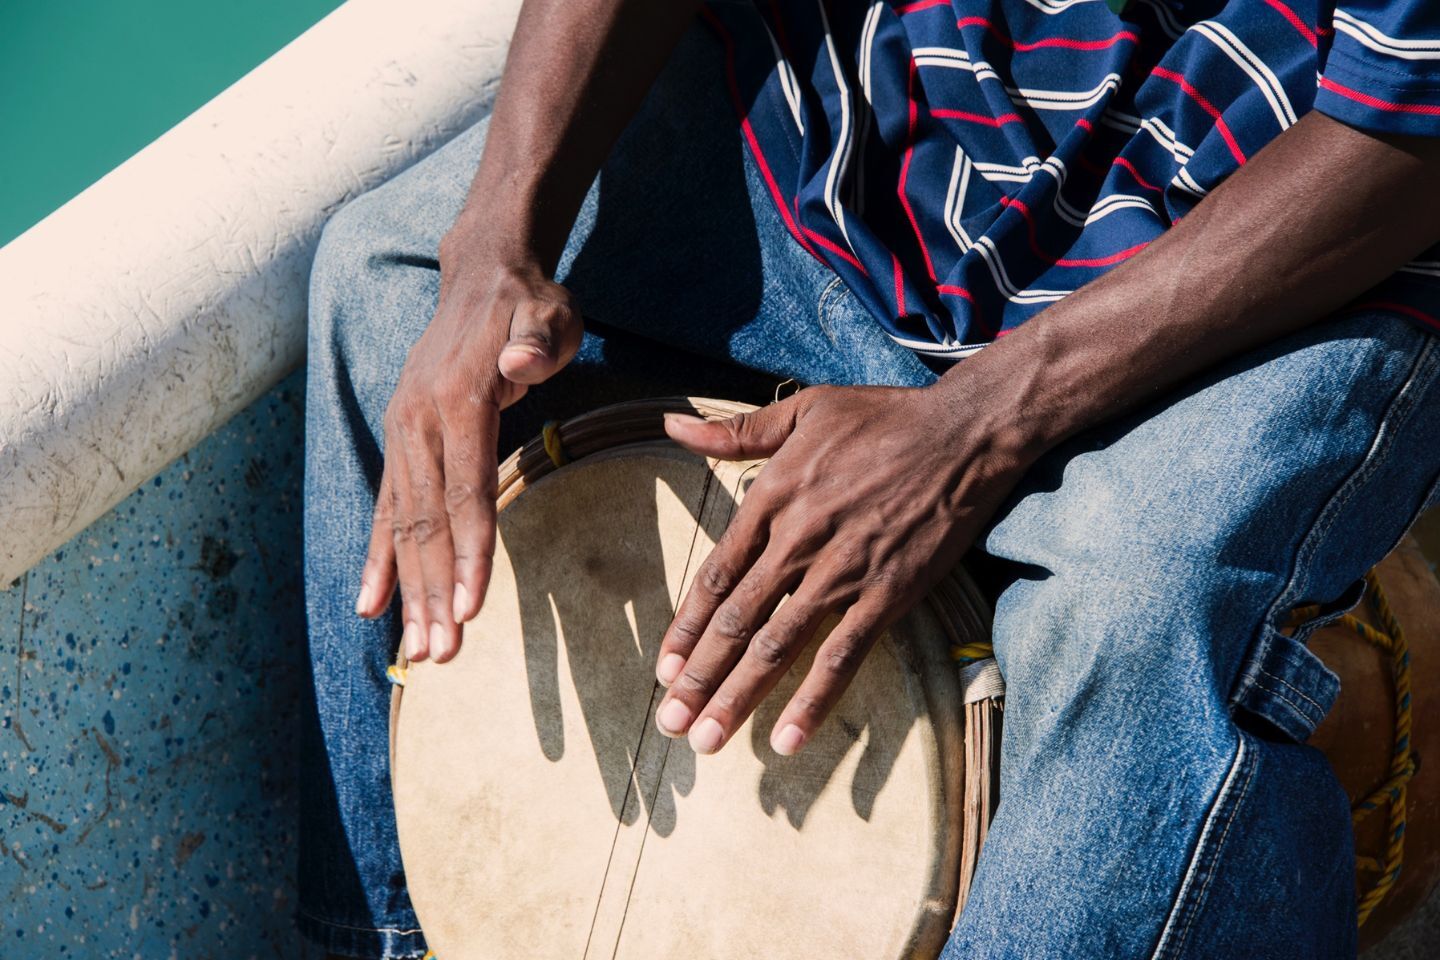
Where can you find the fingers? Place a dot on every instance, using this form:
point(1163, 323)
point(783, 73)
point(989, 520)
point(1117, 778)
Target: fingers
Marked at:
point(428, 530)
point(377, 580)
point(407, 552)
point(739, 547)
point(745, 436)
point(544, 335)
point(470, 479)
point(771, 651)
point(836, 662)
point(725, 639)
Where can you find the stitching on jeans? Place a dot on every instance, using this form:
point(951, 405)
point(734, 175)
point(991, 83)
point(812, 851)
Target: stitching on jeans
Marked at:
point(1184, 906)
point(1291, 686)
point(823, 306)
point(345, 926)
point(1199, 900)
point(1300, 711)
point(1398, 409)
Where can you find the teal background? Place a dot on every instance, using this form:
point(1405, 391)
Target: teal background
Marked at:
point(86, 83)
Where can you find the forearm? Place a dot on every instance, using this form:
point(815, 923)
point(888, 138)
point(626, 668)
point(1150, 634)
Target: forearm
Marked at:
point(1319, 216)
point(576, 74)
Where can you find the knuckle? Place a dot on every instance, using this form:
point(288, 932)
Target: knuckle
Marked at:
point(460, 494)
point(730, 624)
point(715, 579)
point(843, 654)
point(768, 649)
point(695, 682)
point(426, 529)
point(686, 631)
point(724, 703)
point(807, 706)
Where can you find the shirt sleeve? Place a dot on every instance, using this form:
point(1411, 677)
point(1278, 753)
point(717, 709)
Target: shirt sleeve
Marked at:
point(1382, 72)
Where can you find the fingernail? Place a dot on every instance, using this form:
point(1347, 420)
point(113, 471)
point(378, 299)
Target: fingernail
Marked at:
point(670, 666)
point(790, 739)
point(462, 603)
point(413, 641)
point(437, 638)
point(680, 419)
point(706, 735)
point(673, 718)
point(362, 602)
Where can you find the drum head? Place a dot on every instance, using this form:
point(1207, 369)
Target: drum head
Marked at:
point(542, 815)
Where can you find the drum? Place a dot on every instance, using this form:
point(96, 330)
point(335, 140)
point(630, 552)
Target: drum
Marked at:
point(1397, 813)
point(542, 815)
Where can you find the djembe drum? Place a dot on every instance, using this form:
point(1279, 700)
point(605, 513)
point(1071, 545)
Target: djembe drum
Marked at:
point(542, 815)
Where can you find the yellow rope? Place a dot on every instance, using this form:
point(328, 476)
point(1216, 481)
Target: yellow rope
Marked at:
point(1402, 763)
point(550, 435)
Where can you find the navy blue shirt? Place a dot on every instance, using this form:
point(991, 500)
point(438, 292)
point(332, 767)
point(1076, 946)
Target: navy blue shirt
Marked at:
point(963, 164)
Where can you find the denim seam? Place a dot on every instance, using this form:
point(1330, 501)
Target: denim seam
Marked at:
point(1303, 714)
point(1227, 805)
point(345, 926)
point(826, 295)
point(1397, 410)
point(1298, 692)
point(1399, 407)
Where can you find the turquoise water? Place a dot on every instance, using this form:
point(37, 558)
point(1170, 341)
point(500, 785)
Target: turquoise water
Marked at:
point(86, 83)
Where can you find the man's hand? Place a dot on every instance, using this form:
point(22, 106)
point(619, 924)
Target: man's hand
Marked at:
point(497, 330)
point(871, 494)
point(575, 75)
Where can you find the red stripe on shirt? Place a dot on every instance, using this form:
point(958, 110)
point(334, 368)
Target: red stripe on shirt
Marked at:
point(944, 113)
point(1067, 43)
point(899, 285)
point(905, 169)
point(1375, 103)
point(1066, 261)
point(1295, 21)
point(1400, 308)
point(1127, 165)
point(919, 5)
point(834, 248)
point(1220, 125)
point(749, 131)
point(969, 298)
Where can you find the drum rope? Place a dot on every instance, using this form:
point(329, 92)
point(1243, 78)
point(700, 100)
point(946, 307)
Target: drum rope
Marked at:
point(550, 436)
point(1390, 639)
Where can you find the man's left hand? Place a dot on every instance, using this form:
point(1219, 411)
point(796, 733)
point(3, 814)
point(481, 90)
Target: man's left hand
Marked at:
point(870, 496)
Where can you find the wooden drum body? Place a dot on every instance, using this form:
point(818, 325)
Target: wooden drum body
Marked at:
point(542, 815)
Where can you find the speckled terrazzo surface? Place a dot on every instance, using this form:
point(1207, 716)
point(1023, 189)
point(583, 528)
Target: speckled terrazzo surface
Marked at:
point(149, 678)
point(149, 674)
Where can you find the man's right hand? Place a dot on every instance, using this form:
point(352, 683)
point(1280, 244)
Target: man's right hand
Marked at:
point(575, 75)
point(497, 330)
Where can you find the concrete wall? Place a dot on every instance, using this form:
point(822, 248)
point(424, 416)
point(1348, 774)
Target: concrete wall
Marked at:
point(149, 676)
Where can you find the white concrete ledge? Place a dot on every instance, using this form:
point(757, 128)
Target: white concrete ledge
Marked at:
point(144, 313)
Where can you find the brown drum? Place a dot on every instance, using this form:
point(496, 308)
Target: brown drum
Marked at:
point(1359, 734)
point(542, 815)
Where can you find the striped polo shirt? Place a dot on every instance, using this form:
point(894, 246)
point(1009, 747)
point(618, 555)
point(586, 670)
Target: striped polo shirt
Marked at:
point(962, 164)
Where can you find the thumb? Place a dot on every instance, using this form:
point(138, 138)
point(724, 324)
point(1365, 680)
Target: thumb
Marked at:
point(544, 335)
point(745, 436)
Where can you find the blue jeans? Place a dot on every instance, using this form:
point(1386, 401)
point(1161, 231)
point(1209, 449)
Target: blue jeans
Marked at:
point(1157, 795)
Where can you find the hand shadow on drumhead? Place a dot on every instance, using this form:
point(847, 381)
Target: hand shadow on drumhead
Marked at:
point(795, 783)
point(608, 599)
